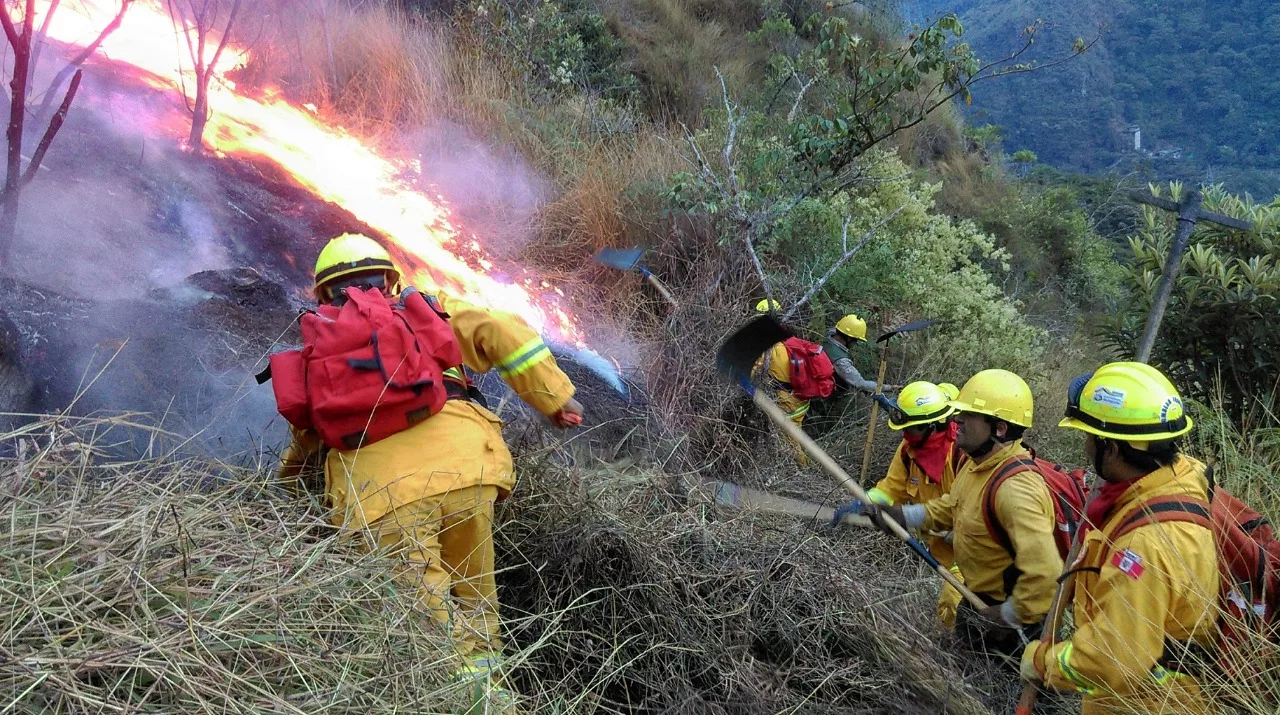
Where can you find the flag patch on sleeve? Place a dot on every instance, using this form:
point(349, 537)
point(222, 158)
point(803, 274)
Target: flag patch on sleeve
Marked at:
point(1128, 562)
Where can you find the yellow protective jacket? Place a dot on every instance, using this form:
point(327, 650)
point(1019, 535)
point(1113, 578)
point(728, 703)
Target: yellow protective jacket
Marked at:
point(1158, 582)
point(460, 446)
point(906, 483)
point(1024, 509)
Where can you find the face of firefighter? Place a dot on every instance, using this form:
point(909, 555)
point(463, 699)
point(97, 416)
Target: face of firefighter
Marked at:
point(1104, 455)
point(974, 431)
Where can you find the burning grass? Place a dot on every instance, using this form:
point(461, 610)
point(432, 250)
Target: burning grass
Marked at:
point(177, 584)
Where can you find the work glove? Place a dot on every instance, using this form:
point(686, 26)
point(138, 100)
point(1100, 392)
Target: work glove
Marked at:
point(854, 507)
point(881, 514)
point(987, 621)
point(1027, 667)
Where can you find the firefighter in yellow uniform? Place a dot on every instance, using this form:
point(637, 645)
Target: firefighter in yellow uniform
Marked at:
point(1145, 592)
point(776, 363)
point(923, 469)
point(995, 408)
point(428, 492)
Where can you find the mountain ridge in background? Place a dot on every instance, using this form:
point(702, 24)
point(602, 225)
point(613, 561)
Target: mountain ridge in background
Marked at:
point(1199, 81)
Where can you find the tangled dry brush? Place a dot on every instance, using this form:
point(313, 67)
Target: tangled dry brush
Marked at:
point(175, 584)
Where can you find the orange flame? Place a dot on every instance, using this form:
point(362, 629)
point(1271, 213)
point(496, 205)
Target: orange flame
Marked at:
point(332, 163)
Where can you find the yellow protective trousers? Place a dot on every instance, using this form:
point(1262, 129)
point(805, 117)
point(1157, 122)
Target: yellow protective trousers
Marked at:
point(446, 544)
point(796, 409)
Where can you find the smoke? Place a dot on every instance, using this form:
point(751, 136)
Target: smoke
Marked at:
point(120, 218)
point(116, 209)
point(491, 191)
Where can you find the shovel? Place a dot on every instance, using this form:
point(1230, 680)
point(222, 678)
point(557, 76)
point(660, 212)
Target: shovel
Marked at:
point(736, 359)
point(875, 405)
point(625, 260)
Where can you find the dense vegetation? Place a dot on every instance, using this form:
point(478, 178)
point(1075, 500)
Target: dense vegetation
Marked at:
point(1199, 79)
point(791, 148)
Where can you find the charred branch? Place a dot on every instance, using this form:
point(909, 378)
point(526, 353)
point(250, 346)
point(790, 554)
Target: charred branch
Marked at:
point(52, 131)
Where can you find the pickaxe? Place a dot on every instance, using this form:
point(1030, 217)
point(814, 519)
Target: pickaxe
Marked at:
point(883, 340)
point(735, 360)
point(625, 260)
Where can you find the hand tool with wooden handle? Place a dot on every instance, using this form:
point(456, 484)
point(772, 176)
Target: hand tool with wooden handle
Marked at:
point(736, 359)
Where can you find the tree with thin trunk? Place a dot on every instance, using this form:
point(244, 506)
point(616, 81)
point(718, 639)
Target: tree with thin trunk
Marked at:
point(197, 20)
point(22, 37)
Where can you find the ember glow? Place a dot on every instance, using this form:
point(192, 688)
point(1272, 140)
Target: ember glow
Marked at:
point(334, 164)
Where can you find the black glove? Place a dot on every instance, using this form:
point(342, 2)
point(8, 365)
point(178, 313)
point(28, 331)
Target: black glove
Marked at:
point(881, 514)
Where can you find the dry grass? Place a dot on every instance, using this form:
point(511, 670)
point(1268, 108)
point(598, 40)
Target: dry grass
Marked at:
point(172, 584)
point(679, 43)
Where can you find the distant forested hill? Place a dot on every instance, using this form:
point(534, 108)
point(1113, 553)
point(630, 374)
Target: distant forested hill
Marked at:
point(1201, 80)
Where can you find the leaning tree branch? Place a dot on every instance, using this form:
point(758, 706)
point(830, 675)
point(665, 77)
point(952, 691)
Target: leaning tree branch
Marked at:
point(73, 66)
point(848, 253)
point(52, 131)
point(10, 31)
point(43, 32)
point(226, 35)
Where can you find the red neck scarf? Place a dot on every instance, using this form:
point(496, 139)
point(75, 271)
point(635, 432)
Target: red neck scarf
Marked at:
point(932, 452)
point(1102, 500)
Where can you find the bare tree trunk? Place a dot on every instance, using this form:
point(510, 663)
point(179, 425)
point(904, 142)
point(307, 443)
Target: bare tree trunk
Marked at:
point(21, 44)
point(205, 20)
point(199, 111)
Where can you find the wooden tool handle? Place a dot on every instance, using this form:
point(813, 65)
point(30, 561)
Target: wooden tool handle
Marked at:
point(775, 413)
point(1027, 703)
point(875, 413)
point(662, 289)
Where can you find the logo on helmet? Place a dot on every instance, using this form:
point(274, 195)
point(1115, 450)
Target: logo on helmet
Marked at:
point(1108, 396)
point(925, 400)
point(1171, 409)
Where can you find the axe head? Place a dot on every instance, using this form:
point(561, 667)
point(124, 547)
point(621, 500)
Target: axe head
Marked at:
point(908, 328)
point(740, 351)
point(622, 259)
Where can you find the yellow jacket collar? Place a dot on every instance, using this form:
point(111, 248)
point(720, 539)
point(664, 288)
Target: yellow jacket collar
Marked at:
point(1185, 476)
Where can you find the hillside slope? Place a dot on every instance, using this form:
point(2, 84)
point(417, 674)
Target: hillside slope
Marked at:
point(1197, 79)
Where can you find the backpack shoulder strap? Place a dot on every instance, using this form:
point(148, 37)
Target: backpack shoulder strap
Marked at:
point(1163, 509)
point(1017, 465)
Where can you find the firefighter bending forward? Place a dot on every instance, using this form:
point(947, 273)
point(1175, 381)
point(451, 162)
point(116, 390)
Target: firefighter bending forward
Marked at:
point(428, 492)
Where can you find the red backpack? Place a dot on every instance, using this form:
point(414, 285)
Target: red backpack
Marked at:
point(1248, 568)
point(812, 374)
point(368, 369)
point(1066, 489)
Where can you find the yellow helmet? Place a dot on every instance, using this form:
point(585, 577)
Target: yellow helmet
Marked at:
point(920, 403)
point(951, 391)
point(1128, 401)
point(852, 326)
point(766, 306)
point(997, 393)
point(352, 253)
